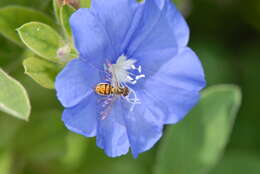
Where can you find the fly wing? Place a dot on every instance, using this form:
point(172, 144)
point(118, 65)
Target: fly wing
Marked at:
point(107, 105)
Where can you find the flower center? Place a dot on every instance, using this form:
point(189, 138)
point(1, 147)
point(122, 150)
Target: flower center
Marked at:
point(123, 73)
point(120, 75)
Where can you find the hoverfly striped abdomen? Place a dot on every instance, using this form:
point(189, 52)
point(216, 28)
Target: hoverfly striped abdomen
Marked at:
point(106, 89)
point(103, 89)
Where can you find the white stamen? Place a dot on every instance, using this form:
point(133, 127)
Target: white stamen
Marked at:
point(140, 76)
point(120, 76)
point(139, 69)
point(130, 78)
point(133, 67)
point(133, 100)
point(133, 82)
point(120, 69)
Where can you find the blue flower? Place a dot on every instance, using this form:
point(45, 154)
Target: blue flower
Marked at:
point(140, 50)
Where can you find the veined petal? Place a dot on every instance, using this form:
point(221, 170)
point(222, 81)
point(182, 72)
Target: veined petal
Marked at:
point(111, 134)
point(151, 17)
point(75, 82)
point(82, 118)
point(90, 37)
point(166, 97)
point(144, 127)
point(160, 34)
point(177, 24)
point(172, 104)
point(118, 17)
point(182, 71)
point(174, 89)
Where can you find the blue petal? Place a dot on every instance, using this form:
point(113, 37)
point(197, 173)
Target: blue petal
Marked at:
point(170, 104)
point(119, 18)
point(111, 134)
point(161, 32)
point(175, 87)
point(82, 118)
point(165, 98)
point(144, 126)
point(182, 71)
point(90, 37)
point(75, 82)
point(177, 24)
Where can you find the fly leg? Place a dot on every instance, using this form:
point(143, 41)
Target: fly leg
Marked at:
point(131, 97)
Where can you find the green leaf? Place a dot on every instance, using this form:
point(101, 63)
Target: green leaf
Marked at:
point(72, 4)
point(9, 53)
point(42, 71)
point(65, 13)
point(85, 3)
point(195, 145)
point(5, 162)
point(238, 163)
point(28, 3)
point(41, 39)
point(43, 139)
point(13, 97)
point(13, 17)
point(56, 10)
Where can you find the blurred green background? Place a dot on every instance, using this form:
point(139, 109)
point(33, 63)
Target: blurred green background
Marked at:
point(226, 36)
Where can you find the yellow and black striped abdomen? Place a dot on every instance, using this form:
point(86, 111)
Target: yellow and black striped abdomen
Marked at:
point(103, 89)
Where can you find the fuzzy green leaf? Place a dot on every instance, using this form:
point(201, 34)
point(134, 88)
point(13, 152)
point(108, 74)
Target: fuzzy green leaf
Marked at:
point(42, 71)
point(65, 13)
point(56, 10)
point(41, 39)
point(13, 17)
point(85, 3)
point(13, 97)
point(195, 145)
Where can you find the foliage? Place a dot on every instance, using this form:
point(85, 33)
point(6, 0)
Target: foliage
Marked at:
point(12, 17)
point(191, 146)
point(13, 97)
